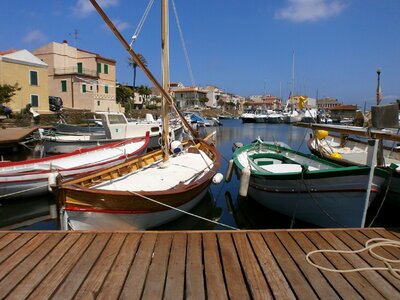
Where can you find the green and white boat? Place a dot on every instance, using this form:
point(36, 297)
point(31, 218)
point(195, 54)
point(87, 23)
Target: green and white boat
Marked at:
point(306, 187)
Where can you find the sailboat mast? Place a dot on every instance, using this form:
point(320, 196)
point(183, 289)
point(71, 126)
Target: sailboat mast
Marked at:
point(141, 65)
point(292, 93)
point(165, 76)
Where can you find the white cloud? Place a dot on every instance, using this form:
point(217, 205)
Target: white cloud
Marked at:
point(121, 25)
point(35, 36)
point(83, 7)
point(309, 10)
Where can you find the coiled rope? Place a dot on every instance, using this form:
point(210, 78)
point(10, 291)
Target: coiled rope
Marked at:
point(370, 246)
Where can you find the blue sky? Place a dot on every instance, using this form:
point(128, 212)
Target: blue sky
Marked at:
point(243, 47)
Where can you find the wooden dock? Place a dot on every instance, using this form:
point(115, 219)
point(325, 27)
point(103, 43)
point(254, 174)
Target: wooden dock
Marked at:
point(15, 135)
point(258, 264)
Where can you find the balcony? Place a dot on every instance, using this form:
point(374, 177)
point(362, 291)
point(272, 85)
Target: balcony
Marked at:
point(76, 71)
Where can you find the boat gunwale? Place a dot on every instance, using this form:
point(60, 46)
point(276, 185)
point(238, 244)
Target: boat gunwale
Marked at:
point(338, 170)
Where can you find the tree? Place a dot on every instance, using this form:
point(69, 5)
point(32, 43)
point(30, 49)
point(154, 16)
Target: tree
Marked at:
point(134, 65)
point(7, 91)
point(203, 100)
point(124, 95)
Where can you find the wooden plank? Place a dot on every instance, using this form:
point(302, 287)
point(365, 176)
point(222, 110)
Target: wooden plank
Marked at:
point(134, 283)
point(93, 282)
point(213, 270)
point(255, 278)
point(32, 280)
point(18, 256)
point(13, 245)
point(195, 286)
point(355, 279)
point(313, 275)
point(357, 261)
point(115, 280)
point(294, 276)
point(340, 284)
point(61, 270)
point(7, 238)
point(155, 281)
point(21, 269)
point(276, 279)
point(235, 282)
point(14, 135)
point(175, 283)
point(79, 272)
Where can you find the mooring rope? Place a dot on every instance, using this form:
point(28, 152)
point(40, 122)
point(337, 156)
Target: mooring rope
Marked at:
point(23, 191)
point(375, 243)
point(183, 211)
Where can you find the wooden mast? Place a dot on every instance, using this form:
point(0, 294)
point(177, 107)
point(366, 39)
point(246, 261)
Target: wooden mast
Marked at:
point(143, 67)
point(165, 78)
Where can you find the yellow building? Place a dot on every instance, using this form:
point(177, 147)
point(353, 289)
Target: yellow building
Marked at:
point(83, 79)
point(30, 73)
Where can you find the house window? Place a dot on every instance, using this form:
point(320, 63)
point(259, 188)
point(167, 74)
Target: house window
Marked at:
point(105, 69)
point(33, 77)
point(98, 68)
point(63, 85)
point(35, 100)
point(80, 67)
point(106, 89)
point(98, 103)
point(83, 88)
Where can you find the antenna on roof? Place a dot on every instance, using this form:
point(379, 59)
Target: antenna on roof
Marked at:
point(75, 35)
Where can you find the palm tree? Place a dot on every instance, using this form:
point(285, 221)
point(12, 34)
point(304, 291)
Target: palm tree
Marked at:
point(134, 65)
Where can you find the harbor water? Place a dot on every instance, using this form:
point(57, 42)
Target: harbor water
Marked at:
point(222, 205)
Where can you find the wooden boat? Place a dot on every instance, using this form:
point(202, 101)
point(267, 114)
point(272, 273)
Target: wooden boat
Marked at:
point(148, 190)
point(117, 128)
point(306, 187)
point(125, 196)
point(350, 151)
point(33, 177)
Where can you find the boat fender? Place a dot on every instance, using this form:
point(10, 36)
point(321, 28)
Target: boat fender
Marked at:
point(217, 178)
point(336, 155)
point(52, 181)
point(228, 176)
point(236, 145)
point(176, 147)
point(244, 182)
point(321, 134)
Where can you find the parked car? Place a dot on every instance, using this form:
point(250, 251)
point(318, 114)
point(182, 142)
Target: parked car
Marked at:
point(55, 103)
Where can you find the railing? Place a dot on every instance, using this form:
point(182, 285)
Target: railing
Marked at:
point(74, 70)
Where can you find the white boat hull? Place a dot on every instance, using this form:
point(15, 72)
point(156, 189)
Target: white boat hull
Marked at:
point(85, 220)
point(35, 178)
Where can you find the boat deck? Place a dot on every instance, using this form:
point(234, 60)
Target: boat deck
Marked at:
point(206, 264)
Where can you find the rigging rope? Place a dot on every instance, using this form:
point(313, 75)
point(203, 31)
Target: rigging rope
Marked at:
point(183, 211)
point(375, 243)
point(141, 22)
point(183, 44)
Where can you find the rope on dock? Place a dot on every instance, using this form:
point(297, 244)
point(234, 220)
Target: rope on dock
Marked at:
point(375, 243)
point(183, 211)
